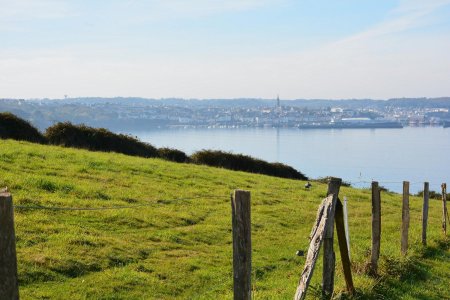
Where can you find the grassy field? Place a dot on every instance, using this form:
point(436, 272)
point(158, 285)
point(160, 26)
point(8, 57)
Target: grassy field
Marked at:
point(174, 242)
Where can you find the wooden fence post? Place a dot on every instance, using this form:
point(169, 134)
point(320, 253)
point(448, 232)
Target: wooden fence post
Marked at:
point(376, 228)
point(347, 232)
point(242, 245)
point(426, 198)
point(329, 258)
point(9, 288)
point(343, 247)
point(316, 239)
point(405, 218)
point(444, 208)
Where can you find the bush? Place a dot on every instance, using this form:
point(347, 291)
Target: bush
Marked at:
point(240, 162)
point(325, 180)
point(13, 127)
point(97, 139)
point(431, 194)
point(173, 155)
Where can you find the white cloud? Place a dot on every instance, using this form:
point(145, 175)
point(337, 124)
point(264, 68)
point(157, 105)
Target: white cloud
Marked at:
point(409, 14)
point(407, 6)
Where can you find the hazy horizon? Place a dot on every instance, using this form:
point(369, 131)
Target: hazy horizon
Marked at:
point(231, 99)
point(225, 49)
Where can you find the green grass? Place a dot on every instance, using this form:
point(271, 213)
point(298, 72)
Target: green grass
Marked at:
point(181, 249)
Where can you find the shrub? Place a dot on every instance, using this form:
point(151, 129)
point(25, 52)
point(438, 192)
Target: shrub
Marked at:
point(240, 162)
point(97, 139)
point(431, 194)
point(325, 180)
point(173, 155)
point(13, 127)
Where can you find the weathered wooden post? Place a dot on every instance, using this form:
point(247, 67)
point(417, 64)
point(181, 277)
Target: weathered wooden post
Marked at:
point(329, 258)
point(347, 232)
point(343, 247)
point(444, 208)
point(316, 239)
point(9, 288)
point(376, 228)
point(426, 198)
point(405, 218)
point(242, 245)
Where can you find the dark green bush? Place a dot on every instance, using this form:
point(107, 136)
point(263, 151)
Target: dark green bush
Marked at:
point(240, 162)
point(97, 139)
point(325, 180)
point(13, 127)
point(100, 139)
point(432, 195)
point(173, 155)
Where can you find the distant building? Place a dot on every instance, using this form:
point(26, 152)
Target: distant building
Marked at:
point(279, 108)
point(336, 110)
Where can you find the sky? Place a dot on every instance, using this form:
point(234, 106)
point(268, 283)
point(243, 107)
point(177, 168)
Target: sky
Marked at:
point(299, 49)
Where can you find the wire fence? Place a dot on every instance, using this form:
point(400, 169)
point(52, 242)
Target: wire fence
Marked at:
point(135, 206)
point(163, 201)
point(395, 186)
point(153, 202)
point(390, 182)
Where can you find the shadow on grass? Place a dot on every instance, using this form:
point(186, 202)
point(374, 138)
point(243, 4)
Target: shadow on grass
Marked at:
point(438, 251)
point(401, 276)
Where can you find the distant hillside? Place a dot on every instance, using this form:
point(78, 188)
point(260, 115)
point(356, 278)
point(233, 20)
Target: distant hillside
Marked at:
point(100, 139)
point(239, 102)
point(127, 114)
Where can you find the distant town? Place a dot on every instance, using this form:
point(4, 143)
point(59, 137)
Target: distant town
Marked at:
point(139, 113)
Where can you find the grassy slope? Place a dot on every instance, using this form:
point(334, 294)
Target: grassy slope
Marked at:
point(182, 249)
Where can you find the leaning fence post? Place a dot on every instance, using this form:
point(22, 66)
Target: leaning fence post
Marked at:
point(376, 228)
point(343, 247)
point(242, 245)
point(426, 198)
point(444, 208)
point(347, 232)
point(316, 239)
point(405, 217)
point(9, 288)
point(329, 258)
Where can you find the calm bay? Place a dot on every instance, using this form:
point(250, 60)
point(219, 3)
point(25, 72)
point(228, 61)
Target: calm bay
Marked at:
point(416, 154)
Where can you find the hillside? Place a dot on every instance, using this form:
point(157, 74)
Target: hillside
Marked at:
point(168, 235)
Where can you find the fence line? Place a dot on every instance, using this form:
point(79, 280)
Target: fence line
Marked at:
point(156, 202)
point(331, 211)
point(316, 239)
point(389, 182)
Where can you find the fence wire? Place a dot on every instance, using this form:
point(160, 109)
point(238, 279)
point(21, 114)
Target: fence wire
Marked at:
point(391, 182)
point(153, 203)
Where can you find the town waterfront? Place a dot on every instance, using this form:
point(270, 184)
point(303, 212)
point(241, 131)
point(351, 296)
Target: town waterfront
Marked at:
point(416, 154)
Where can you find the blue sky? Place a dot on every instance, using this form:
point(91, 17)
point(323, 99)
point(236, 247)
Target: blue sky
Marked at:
point(225, 49)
